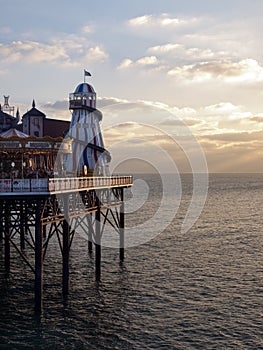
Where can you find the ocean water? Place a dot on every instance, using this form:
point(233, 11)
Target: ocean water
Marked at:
point(197, 290)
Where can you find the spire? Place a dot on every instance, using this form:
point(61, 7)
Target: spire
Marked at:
point(17, 115)
point(33, 104)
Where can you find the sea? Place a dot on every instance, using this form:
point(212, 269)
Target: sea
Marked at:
point(195, 289)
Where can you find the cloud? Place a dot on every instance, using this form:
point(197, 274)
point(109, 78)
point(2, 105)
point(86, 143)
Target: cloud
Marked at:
point(147, 61)
point(175, 121)
point(57, 105)
point(70, 50)
point(247, 71)
point(96, 54)
point(181, 52)
point(110, 101)
point(164, 20)
point(236, 137)
point(87, 29)
point(257, 119)
point(31, 51)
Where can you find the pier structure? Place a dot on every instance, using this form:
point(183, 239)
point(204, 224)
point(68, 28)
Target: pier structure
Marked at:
point(30, 219)
point(74, 192)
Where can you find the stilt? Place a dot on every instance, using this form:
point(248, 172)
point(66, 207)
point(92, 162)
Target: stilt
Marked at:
point(26, 218)
point(45, 226)
point(66, 242)
point(1, 222)
point(98, 241)
point(7, 236)
point(22, 226)
point(90, 227)
point(38, 259)
point(122, 228)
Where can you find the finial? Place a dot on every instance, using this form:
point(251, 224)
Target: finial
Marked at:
point(33, 104)
point(17, 115)
point(6, 100)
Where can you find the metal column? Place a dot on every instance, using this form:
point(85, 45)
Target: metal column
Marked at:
point(22, 225)
point(38, 259)
point(98, 239)
point(90, 231)
point(7, 234)
point(122, 227)
point(66, 246)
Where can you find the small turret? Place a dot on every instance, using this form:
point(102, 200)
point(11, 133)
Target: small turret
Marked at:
point(83, 97)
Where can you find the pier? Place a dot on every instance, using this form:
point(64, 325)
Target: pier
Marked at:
point(51, 186)
point(33, 211)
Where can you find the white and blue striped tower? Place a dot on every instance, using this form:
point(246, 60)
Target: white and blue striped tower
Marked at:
point(88, 153)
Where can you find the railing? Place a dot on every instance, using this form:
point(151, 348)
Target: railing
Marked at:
point(63, 184)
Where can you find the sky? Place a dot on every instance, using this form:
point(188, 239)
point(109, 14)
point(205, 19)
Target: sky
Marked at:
point(182, 80)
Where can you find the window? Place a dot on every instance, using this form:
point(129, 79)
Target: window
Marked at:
point(36, 133)
point(36, 121)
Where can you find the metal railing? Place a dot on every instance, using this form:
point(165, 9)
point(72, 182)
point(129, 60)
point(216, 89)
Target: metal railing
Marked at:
point(63, 184)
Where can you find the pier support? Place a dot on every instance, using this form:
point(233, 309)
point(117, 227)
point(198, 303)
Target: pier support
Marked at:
point(97, 240)
point(122, 228)
point(38, 259)
point(31, 220)
point(22, 226)
point(7, 235)
point(90, 231)
point(1, 222)
point(66, 246)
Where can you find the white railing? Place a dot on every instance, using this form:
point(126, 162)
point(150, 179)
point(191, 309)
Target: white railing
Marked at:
point(63, 184)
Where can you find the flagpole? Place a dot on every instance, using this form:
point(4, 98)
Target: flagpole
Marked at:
point(84, 75)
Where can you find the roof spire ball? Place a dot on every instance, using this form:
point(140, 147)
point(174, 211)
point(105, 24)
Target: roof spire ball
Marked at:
point(33, 104)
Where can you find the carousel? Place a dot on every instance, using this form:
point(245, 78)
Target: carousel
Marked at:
point(29, 157)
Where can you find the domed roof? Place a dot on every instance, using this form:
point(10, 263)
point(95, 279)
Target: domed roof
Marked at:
point(84, 88)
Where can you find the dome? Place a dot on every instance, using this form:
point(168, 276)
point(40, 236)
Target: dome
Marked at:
point(84, 88)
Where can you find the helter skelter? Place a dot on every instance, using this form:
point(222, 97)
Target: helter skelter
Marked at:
point(85, 197)
point(89, 156)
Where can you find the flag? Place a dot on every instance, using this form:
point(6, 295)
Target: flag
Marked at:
point(86, 73)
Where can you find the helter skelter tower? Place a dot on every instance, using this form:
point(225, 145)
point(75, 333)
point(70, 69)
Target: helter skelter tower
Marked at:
point(89, 156)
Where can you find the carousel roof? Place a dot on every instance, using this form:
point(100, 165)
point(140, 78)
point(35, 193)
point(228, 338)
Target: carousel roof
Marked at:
point(16, 141)
point(13, 132)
